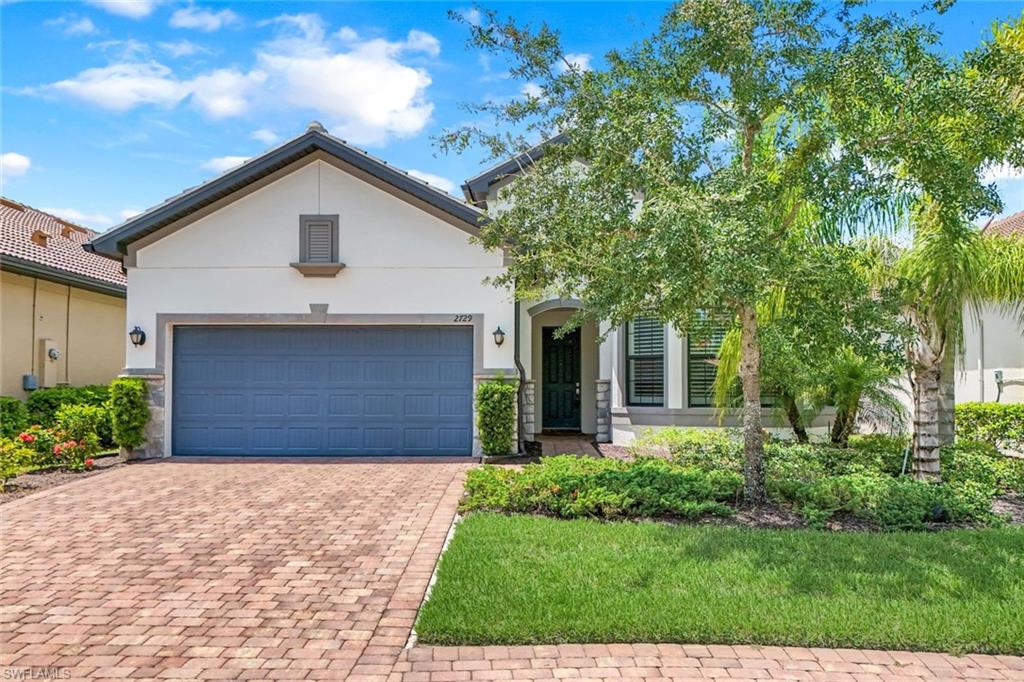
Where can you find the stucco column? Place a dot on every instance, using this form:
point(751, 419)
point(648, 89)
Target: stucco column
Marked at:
point(604, 410)
point(155, 395)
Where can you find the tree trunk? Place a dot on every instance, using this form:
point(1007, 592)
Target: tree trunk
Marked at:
point(926, 422)
point(843, 426)
point(750, 376)
point(796, 421)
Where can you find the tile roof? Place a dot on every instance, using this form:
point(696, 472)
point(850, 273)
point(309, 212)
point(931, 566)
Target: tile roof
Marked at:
point(21, 230)
point(1010, 225)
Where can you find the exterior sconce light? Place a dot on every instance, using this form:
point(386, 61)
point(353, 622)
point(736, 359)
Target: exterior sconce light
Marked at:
point(137, 336)
point(499, 336)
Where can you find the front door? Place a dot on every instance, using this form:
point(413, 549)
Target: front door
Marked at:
point(560, 391)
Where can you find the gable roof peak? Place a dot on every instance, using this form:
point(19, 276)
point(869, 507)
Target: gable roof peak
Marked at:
point(316, 127)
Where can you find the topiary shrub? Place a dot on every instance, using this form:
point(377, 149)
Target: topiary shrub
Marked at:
point(999, 424)
point(129, 411)
point(496, 417)
point(13, 417)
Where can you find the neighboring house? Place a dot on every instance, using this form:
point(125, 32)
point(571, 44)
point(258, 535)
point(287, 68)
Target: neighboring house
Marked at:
point(994, 346)
point(318, 301)
point(62, 309)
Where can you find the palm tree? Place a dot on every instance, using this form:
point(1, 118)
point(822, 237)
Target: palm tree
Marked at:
point(854, 381)
point(948, 273)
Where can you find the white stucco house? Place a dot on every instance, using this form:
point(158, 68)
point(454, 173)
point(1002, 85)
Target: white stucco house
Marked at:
point(993, 363)
point(317, 301)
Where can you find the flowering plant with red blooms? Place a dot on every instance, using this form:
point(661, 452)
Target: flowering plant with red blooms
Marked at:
point(27, 437)
point(89, 464)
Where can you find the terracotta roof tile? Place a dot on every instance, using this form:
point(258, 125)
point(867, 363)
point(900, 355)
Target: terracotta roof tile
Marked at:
point(64, 240)
point(1010, 225)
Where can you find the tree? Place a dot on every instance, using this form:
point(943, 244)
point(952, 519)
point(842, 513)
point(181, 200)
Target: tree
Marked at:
point(835, 336)
point(934, 125)
point(692, 173)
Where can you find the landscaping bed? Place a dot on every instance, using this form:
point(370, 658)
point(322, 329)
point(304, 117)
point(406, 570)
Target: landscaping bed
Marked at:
point(41, 479)
point(536, 580)
point(696, 476)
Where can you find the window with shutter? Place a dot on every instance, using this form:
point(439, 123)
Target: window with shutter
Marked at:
point(645, 362)
point(318, 246)
point(701, 366)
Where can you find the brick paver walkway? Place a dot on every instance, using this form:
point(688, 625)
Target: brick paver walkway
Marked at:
point(694, 662)
point(285, 570)
point(300, 570)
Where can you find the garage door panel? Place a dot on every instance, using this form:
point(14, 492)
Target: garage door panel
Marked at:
point(322, 391)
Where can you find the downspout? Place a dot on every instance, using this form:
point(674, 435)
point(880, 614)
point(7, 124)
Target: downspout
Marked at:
point(521, 388)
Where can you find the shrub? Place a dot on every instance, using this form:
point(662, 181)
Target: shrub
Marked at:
point(129, 411)
point(709, 449)
point(13, 417)
point(569, 487)
point(496, 416)
point(40, 441)
point(977, 462)
point(77, 428)
point(43, 404)
point(998, 424)
point(15, 458)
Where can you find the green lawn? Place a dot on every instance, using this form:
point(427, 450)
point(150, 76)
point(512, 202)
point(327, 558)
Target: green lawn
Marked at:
point(523, 579)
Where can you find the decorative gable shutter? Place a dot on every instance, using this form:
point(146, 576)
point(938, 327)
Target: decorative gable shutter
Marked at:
point(319, 242)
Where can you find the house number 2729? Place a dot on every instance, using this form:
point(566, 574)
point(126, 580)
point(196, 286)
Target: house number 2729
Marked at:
point(463, 318)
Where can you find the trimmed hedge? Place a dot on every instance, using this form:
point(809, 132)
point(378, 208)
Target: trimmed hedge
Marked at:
point(998, 424)
point(570, 487)
point(496, 416)
point(13, 417)
point(129, 411)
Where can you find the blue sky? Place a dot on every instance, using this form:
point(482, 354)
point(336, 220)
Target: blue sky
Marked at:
point(110, 106)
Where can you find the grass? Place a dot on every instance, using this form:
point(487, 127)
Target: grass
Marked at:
point(536, 580)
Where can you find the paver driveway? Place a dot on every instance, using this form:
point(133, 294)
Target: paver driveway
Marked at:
point(283, 570)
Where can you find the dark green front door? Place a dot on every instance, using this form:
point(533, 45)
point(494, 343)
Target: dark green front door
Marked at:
point(560, 392)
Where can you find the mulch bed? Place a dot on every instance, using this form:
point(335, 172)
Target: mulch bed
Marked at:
point(35, 481)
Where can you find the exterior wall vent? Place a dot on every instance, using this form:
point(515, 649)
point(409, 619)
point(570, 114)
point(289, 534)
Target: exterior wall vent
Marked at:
point(40, 237)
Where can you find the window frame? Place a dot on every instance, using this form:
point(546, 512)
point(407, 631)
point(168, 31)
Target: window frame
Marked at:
point(627, 357)
point(687, 356)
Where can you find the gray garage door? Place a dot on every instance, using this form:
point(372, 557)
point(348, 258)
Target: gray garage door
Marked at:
point(363, 391)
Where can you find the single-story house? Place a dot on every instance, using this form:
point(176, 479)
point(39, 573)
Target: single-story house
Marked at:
point(993, 368)
point(318, 301)
point(62, 309)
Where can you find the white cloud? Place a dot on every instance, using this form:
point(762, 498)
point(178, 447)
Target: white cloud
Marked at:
point(121, 50)
point(225, 92)
point(532, 90)
point(578, 60)
point(471, 15)
point(1002, 172)
point(71, 25)
point(264, 135)
point(181, 48)
point(120, 87)
point(223, 163)
point(126, 213)
point(438, 181)
point(13, 164)
point(365, 89)
point(76, 216)
point(203, 19)
point(133, 9)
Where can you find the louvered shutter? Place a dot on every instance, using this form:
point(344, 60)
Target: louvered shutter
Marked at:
point(319, 242)
point(701, 367)
point(645, 362)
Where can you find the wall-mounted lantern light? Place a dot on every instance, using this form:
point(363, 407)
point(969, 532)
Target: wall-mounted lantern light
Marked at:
point(137, 336)
point(499, 336)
